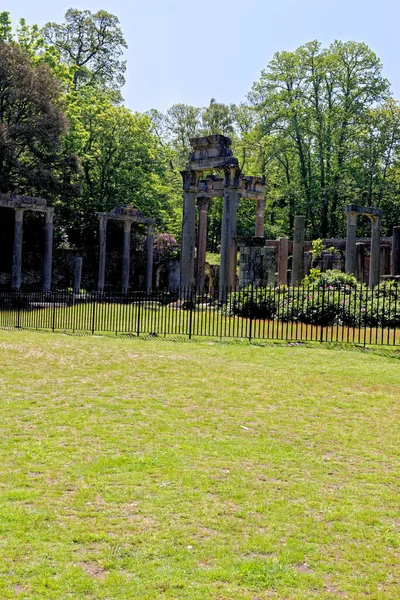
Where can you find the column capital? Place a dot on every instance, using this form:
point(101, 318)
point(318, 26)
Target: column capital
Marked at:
point(190, 180)
point(232, 176)
point(203, 203)
point(261, 202)
point(50, 215)
point(19, 214)
point(127, 225)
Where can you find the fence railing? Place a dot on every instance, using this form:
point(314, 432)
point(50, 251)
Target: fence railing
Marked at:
point(305, 312)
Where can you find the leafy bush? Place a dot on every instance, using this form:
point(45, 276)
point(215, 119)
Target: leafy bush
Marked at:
point(324, 299)
point(331, 279)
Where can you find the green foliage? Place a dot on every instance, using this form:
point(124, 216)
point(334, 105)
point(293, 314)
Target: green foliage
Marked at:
point(5, 27)
point(91, 45)
point(330, 279)
point(329, 137)
point(325, 299)
point(121, 162)
point(32, 125)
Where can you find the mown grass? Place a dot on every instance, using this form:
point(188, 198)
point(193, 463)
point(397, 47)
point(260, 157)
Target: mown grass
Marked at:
point(149, 469)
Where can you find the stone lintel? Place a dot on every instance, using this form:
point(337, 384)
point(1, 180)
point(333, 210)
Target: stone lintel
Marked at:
point(249, 187)
point(25, 202)
point(370, 211)
point(209, 163)
point(128, 218)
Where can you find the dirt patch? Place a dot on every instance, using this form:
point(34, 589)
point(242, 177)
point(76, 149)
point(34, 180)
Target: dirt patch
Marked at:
point(93, 570)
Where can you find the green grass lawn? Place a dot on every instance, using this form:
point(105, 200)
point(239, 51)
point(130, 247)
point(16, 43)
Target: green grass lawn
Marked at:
point(134, 469)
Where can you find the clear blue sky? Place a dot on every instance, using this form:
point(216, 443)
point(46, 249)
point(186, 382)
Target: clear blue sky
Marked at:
point(191, 51)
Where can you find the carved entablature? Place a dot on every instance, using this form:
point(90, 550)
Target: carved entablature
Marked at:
point(126, 212)
point(25, 202)
point(370, 211)
point(211, 152)
point(252, 187)
point(249, 187)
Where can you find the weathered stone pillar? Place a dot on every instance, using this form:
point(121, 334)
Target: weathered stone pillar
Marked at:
point(102, 251)
point(48, 249)
point(396, 251)
point(260, 217)
point(149, 258)
point(17, 252)
point(327, 262)
point(126, 256)
point(350, 265)
point(270, 264)
point(190, 179)
point(375, 251)
point(203, 204)
point(227, 272)
point(384, 268)
point(307, 262)
point(77, 274)
point(298, 249)
point(283, 254)
point(360, 261)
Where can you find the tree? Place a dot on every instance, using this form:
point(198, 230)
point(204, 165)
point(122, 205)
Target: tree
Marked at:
point(122, 162)
point(316, 102)
point(31, 127)
point(92, 45)
point(217, 118)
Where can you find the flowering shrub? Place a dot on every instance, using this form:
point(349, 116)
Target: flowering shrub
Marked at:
point(165, 247)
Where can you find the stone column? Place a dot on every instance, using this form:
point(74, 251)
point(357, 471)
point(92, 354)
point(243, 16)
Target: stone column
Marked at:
point(298, 249)
point(77, 274)
point(350, 265)
point(327, 262)
point(384, 268)
point(149, 258)
point(190, 179)
point(203, 204)
point(396, 250)
point(283, 254)
point(375, 251)
point(270, 264)
point(307, 262)
point(17, 252)
point(360, 261)
point(260, 217)
point(48, 249)
point(227, 272)
point(102, 251)
point(126, 256)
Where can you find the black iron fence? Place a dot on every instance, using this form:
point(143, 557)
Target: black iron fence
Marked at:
point(337, 313)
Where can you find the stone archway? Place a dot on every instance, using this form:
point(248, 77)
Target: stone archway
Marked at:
point(352, 211)
point(213, 153)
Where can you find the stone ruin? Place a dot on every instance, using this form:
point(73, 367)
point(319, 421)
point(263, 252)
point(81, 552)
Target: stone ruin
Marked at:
point(261, 261)
point(128, 215)
point(213, 153)
point(21, 204)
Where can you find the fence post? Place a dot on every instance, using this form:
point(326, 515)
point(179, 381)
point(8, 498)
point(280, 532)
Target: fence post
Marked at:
point(191, 311)
point(251, 312)
point(54, 312)
point(321, 331)
point(19, 309)
point(93, 313)
point(138, 318)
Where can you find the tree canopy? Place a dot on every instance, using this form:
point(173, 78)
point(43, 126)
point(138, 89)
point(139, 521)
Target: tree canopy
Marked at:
point(320, 125)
